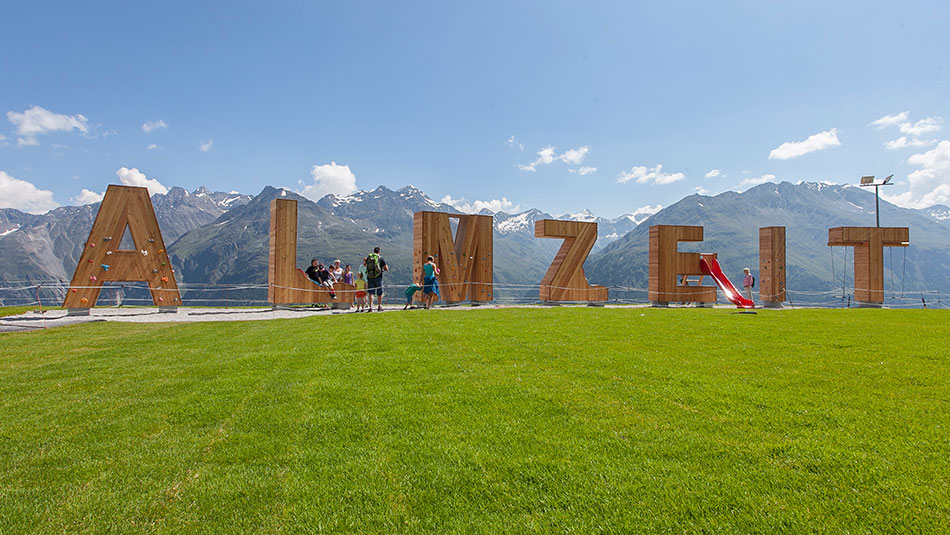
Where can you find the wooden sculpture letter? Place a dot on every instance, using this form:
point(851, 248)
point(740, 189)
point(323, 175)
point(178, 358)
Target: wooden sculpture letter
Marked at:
point(869, 244)
point(465, 262)
point(772, 266)
point(667, 264)
point(287, 284)
point(565, 279)
point(123, 208)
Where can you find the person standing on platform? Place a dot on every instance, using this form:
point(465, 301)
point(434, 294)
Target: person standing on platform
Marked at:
point(375, 266)
point(748, 281)
point(430, 282)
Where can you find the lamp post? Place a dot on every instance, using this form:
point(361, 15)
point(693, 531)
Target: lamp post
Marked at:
point(869, 181)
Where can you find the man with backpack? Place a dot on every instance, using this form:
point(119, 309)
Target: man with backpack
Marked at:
point(375, 266)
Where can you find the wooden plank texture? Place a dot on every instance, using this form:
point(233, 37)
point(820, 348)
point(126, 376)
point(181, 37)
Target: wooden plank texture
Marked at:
point(869, 244)
point(465, 261)
point(123, 207)
point(667, 265)
point(565, 279)
point(286, 283)
point(772, 264)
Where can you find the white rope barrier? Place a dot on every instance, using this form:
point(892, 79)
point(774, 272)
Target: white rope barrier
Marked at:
point(29, 293)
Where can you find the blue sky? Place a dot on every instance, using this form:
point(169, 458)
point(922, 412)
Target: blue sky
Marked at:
point(562, 106)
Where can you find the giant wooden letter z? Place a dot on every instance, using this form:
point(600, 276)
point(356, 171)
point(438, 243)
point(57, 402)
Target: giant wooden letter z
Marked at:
point(565, 279)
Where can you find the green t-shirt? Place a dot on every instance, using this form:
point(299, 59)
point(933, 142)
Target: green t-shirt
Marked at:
point(413, 288)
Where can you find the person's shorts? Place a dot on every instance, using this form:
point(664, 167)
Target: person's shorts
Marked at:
point(375, 286)
point(360, 294)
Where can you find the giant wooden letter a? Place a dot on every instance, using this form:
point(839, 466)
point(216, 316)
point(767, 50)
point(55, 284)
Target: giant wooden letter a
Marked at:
point(123, 207)
point(565, 279)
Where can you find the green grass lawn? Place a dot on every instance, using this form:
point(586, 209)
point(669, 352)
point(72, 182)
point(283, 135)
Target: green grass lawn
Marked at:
point(518, 420)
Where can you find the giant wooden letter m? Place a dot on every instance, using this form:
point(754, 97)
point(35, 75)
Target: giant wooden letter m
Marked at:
point(465, 261)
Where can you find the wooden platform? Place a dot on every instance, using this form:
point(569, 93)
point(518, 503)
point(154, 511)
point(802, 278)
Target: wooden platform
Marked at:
point(123, 207)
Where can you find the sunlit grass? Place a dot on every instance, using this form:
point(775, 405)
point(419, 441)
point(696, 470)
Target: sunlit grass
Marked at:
point(515, 420)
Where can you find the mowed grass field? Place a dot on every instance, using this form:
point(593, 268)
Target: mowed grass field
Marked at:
point(484, 421)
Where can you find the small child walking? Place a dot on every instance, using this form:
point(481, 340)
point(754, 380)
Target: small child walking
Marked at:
point(360, 284)
point(413, 288)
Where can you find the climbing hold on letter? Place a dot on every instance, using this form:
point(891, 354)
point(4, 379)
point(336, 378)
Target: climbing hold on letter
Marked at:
point(84, 300)
point(144, 252)
point(92, 278)
point(105, 266)
point(164, 279)
point(74, 290)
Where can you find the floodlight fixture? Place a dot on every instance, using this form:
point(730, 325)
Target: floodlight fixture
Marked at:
point(868, 180)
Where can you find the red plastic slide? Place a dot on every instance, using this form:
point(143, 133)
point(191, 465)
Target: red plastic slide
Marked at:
point(733, 295)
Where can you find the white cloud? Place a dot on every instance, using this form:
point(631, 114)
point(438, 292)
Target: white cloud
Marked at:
point(494, 205)
point(930, 184)
point(648, 210)
point(921, 127)
point(513, 142)
point(549, 155)
point(585, 170)
point(148, 126)
point(926, 125)
point(890, 120)
point(816, 142)
point(37, 121)
point(330, 178)
point(134, 177)
point(24, 196)
point(574, 156)
point(87, 197)
point(701, 190)
point(755, 181)
point(205, 146)
point(904, 141)
point(152, 146)
point(714, 173)
point(641, 174)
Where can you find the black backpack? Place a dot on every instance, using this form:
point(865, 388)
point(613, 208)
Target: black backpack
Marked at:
point(753, 282)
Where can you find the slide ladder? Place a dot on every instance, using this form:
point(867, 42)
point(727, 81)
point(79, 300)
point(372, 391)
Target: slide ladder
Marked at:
point(711, 268)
